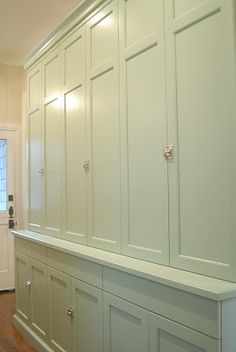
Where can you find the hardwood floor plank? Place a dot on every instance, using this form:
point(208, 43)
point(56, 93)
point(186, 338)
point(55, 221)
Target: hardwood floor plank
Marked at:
point(10, 339)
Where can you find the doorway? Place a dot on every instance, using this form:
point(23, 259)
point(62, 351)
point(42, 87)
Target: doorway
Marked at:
point(8, 199)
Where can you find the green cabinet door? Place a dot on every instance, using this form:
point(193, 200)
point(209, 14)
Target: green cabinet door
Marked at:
point(60, 310)
point(125, 326)
point(200, 39)
point(88, 319)
point(22, 288)
point(168, 336)
point(143, 131)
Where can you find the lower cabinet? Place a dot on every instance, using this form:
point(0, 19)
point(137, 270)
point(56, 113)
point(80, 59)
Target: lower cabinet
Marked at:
point(75, 314)
point(62, 313)
point(129, 328)
point(31, 294)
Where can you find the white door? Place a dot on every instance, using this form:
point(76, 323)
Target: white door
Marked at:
point(7, 208)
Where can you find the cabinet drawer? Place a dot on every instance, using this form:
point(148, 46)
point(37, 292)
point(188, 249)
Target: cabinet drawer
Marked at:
point(79, 268)
point(199, 313)
point(31, 249)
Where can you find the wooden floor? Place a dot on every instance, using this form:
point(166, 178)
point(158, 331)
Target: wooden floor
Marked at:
point(10, 339)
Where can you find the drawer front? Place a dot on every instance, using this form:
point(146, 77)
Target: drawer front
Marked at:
point(82, 269)
point(198, 313)
point(31, 249)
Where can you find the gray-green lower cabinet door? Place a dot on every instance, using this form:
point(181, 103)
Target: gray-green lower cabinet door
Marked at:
point(88, 317)
point(168, 336)
point(61, 316)
point(22, 288)
point(125, 326)
point(39, 299)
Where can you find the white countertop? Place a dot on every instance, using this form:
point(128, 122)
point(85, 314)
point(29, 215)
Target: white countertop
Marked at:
point(200, 285)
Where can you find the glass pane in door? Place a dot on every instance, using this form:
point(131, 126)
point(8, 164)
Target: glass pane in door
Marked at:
point(3, 174)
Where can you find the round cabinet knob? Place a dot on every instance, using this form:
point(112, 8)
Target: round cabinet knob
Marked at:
point(70, 311)
point(41, 172)
point(85, 164)
point(28, 284)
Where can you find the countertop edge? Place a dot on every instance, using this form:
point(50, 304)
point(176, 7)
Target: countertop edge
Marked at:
point(207, 287)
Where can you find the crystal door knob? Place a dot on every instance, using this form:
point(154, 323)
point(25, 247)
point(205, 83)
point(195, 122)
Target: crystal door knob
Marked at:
point(168, 152)
point(41, 171)
point(85, 164)
point(28, 284)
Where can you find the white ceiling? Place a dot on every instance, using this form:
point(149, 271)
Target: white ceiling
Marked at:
point(25, 23)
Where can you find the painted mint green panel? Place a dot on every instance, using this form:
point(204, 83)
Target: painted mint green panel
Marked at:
point(87, 301)
point(206, 126)
point(105, 159)
point(34, 89)
point(35, 164)
point(102, 38)
point(168, 336)
point(140, 20)
point(52, 167)
point(22, 292)
point(126, 326)
point(146, 133)
point(52, 77)
point(60, 322)
point(74, 59)
point(74, 171)
point(39, 300)
point(183, 6)
point(205, 216)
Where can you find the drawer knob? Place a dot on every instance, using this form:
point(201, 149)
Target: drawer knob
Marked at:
point(28, 284)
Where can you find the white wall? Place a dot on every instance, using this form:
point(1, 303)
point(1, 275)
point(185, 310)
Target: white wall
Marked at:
point(12, 116)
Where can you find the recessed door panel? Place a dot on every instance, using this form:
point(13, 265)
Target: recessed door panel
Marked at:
point(166, 335)
point(59, 303)
point(125, 326)
point(140, 20)
point(39, 299)
point(23, 292)
point(74, 58)
point(102, 38)
point(35, 167)
point(74, 171)
point(34, 89)
point(52, 172)
point(52, 77)
point(105, 158)
point(87, 301)
point(148, 222)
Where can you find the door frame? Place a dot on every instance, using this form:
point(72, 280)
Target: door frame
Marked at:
point(20, 165)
